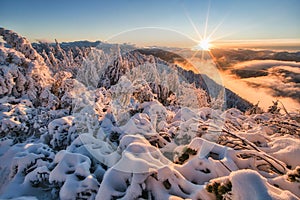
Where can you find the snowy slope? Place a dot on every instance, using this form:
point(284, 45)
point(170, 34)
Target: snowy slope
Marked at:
point(122, 125)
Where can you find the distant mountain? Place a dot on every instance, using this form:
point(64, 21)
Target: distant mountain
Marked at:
point(84, 43)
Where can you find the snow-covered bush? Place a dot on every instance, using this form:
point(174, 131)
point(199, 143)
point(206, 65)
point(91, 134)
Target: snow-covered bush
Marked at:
point(72, 175)
point(144, 173)
point(23, 71)
point(62, 132)
point(190, 96)
point(20, 43)
point(16, 117)
point(29, 165)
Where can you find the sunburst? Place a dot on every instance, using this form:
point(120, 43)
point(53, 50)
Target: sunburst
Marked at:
point(205, 41)
point(205, 44)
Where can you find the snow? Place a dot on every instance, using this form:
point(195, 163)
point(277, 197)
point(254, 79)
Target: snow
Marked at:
point(249, 184)
point(72, 171)
point(285, 149)
point(111, 123)
point(60, 132)
point(285, 183)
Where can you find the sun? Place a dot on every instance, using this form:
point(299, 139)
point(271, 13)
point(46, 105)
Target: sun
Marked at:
point(205, 44)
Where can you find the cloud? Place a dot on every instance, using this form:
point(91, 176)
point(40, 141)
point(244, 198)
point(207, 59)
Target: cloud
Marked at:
point(43, 40)
point(255, 80)
point(264, 64)
point(267, 79)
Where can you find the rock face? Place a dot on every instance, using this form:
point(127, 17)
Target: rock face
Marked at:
point(115, 125)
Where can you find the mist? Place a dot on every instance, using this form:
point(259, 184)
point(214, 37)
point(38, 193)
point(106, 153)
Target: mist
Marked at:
point(280, 82)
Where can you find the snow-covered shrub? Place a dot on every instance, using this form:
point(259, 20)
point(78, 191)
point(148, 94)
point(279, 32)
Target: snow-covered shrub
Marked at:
point(12, 81)
point(248, 184)
point(285, 149)
point(122, 91)
point(88, 107)
point(142, 91)
point(139, 124)
point(66, 92)
point(23, 69)
point(93, 67)
point(294, 176)
point(72, 175)
point(143, 172)
point(39, 177)
point(99, 151)
point(16, 118)
point(190, 96)
point(274, 109)
point(33, 156)
point(21, 44)
point(62, 132)
point(60, 87)
point(29, 165)
point(203, 160)
point(122, 99)
point(49, 100)
point(289, 181)
point(220, 190)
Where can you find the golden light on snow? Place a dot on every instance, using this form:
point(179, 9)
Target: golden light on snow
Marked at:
point(28, 145)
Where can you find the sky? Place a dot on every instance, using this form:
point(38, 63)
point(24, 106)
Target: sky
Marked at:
point(168, 22)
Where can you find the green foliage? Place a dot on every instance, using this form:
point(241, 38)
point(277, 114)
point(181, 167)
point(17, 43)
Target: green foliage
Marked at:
point(219, 189)
point(294, 176)
point(167, 184)
point(185, 156)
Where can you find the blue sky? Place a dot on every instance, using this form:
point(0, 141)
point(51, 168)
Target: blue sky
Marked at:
point(68, 20)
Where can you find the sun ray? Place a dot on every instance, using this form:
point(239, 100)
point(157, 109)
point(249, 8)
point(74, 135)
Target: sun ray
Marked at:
point(249, 27)
point(206, 21)
point(193, 24)
point(216, 28)
point(193, 56)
